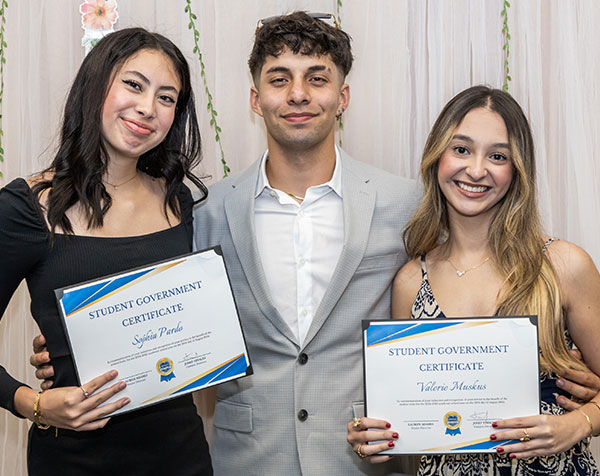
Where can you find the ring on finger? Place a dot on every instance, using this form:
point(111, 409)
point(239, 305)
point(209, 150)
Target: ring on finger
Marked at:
point(85, 393)
point(359, 452)
point(525, 436)
point(356, 423)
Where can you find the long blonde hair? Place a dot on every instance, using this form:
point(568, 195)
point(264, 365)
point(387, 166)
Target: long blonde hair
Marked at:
point(515, 236)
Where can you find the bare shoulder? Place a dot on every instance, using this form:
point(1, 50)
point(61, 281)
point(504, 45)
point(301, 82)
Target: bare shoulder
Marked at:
point(405, 287)
point(577, 274)
point(570, 261)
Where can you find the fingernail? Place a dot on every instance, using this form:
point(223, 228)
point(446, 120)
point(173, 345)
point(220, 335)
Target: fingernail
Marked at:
point(391, 444)
point(122, 385)
point(113, 373)
point(512, 456)
point(126, 401)
point(495, 424)
point(500, 450)
point(394, 435)
point(493, 437)
point(388, 425)
point(560, 382)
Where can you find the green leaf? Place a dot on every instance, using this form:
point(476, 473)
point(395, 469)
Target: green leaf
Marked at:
point(508, 36)
point(217, 137)
point(217, 128)
point(212, 122)
point(215, 113)
point(509, 78)
point(194, 16)
point(190, 25)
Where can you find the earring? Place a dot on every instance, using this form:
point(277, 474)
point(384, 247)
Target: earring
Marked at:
point(339, 114)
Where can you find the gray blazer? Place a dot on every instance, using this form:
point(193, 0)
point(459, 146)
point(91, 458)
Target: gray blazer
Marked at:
point(290, 416)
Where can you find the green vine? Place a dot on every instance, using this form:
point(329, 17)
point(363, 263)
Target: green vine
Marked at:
point(338, 10)
point(3, 45)
point(506, 46)
point(210, 107)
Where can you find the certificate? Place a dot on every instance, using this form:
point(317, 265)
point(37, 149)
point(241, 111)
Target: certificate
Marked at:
point(169, 328)
point(442, 382)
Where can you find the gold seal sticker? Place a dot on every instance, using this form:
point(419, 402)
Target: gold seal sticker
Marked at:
point(452, 421)
point(165, 369)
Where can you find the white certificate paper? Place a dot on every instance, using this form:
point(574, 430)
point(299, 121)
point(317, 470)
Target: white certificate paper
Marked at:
point(169, 328)
point(442, 382)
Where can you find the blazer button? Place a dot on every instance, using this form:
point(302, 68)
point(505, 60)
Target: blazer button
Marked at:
point(303, 358)
point(302, 415)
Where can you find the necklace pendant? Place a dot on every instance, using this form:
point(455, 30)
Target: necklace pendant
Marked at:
point(460, 273)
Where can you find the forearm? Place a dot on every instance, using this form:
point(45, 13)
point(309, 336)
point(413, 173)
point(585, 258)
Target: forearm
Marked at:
point(23, 402)
point(8, 389)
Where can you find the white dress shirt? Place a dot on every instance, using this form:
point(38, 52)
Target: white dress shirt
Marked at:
point(299, 245)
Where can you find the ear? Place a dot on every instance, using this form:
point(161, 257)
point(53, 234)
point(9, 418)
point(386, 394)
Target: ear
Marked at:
point(344, 97)
point(255, 101)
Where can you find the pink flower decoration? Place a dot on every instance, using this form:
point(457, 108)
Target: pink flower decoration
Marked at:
point(99, 14)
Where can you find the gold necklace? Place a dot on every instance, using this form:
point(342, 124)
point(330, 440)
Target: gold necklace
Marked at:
point(300, 199)
point(460, 273)
point(116, 186)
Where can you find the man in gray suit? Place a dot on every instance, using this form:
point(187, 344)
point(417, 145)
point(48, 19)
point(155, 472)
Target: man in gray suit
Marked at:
point(312, 240)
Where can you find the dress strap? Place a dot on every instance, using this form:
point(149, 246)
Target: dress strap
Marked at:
point(547, 244)
point(423, 266)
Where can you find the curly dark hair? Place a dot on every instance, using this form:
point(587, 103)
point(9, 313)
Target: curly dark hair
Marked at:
point(81, 159)
point(300, 33)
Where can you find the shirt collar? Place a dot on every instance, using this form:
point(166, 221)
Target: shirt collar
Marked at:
point(335, 183)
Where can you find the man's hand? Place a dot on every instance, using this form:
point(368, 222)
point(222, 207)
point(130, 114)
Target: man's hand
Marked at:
point(41, 361)
point(582, 384)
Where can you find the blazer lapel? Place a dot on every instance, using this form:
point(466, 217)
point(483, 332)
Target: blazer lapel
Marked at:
point(359, 204)
point(239, 209)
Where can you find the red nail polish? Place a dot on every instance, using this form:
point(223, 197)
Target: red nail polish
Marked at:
point(394, 435)
point(495, 424)
point(493, 437)
point(500, 450)
point(512, 456)
point(391, 444)
point(388, 425)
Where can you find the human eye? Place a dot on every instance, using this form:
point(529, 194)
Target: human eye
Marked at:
point(133, 84)
point(167, 99)
point(499, 157)
point(278, 81)
point(460, 150)
point(318, 80)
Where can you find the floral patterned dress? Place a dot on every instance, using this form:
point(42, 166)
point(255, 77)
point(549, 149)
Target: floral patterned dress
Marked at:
point(576, 461)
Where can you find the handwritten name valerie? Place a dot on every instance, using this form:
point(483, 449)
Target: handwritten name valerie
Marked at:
point(450, 350)
point(144, 315)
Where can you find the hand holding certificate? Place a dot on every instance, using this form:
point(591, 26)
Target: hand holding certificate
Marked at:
point(169, 329)
point(442, 383)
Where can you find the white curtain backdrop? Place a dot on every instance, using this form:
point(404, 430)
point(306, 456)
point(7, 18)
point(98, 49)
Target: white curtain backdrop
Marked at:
point(412, 56)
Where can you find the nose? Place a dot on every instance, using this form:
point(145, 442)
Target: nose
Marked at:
point(476, 168)
point(298, 93)
point(145, 105)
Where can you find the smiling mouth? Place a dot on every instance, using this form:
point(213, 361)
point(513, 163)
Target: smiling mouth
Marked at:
point(472, 188)
point(298, 117)
point(137, 127)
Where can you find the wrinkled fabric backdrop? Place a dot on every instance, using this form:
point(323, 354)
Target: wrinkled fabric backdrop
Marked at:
point(412, 56)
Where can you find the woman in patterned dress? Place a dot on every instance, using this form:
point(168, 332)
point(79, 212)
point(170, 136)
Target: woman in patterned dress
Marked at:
point(477, 249)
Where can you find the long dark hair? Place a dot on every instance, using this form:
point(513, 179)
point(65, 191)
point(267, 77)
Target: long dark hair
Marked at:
point(81, 160)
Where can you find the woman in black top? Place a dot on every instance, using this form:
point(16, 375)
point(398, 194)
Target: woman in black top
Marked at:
point(112, 199)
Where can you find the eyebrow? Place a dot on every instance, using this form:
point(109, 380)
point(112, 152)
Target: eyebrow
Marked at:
point(284, 69)
point(497, 145)
point(145, 80)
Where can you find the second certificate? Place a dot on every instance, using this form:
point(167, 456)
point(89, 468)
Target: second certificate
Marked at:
point(441, 383)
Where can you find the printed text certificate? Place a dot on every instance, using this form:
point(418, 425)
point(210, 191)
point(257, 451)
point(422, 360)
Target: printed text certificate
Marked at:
point(169, 329)
point(441, 383)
